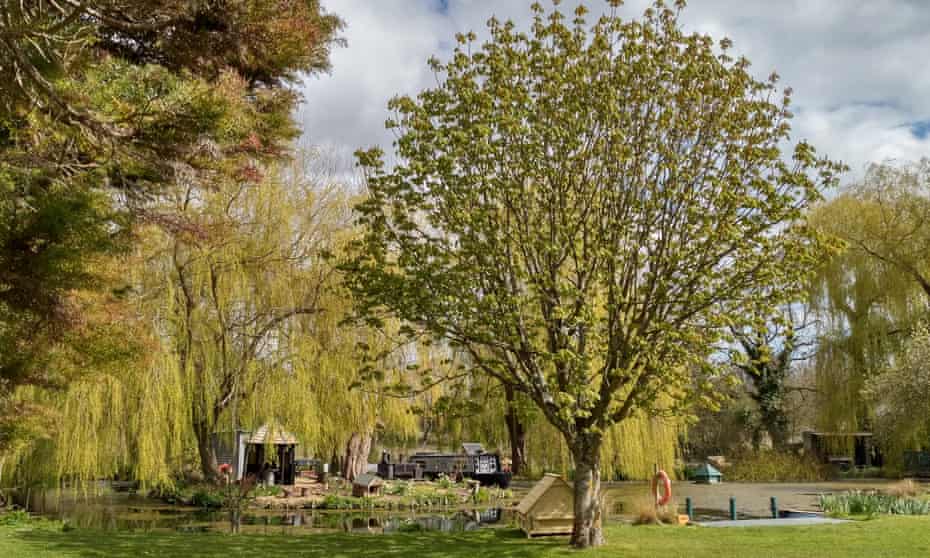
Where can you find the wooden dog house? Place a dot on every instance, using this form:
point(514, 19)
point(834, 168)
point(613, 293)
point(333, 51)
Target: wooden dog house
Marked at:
point(548, 509)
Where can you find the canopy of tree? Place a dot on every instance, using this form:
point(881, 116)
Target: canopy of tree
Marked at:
point(585, 211)
point(103, 104)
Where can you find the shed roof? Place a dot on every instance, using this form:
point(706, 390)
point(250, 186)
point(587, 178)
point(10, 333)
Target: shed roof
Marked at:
point(267, 435)
point(548, 482)
point(367, 480)
point(706, 470)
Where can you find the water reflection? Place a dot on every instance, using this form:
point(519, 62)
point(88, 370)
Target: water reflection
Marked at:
point(110, 510)
point(128, 512)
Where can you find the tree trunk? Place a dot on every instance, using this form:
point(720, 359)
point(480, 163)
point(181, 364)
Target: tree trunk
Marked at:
point(208, 464)
point(357, 450)
point(517, 433)
point(586, 530)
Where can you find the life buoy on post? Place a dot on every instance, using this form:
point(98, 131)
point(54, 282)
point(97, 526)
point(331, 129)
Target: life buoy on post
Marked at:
point(666, 492)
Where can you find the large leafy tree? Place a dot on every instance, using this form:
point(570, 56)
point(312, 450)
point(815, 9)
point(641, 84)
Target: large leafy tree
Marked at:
point(103, 104)
point(586, 210)
point(900, 393)
point(767, 357)
point(874, 290)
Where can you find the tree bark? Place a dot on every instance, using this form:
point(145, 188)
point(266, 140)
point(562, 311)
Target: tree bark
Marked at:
point(357, 449)
point(586, 529)
point(208, 464)
point(516, 432)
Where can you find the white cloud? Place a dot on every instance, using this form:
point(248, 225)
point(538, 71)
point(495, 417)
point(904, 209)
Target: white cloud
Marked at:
point(857, 66)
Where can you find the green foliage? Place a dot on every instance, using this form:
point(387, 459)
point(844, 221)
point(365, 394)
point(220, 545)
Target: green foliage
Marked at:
point(445, 482)
point(15, 517)
point(900, 392)
point(481, 496)
point(872, 503)
point(586, 211)
point(399, 488)
point(873, 292)
point(336, 502)
point(264, 490)
point(208, 497)
point(775, 466)
point(91, 131)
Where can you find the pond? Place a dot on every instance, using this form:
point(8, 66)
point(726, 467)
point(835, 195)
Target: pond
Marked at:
point(111, 510)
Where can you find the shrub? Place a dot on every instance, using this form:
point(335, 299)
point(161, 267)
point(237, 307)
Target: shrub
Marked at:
point(207, 498)
point(410, 527)
point(481, 496)
point(772, 466)
point(445, 482)
point(265, 490)
point(15, 517)
point(335, 502)
point(401, 488)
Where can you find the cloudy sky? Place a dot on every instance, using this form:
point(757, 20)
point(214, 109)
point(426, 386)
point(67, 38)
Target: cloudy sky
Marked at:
point(858, 67)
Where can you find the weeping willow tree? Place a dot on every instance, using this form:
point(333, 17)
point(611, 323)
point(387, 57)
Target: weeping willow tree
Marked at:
point(872, 293)
point(239, 310)
point(474, 407)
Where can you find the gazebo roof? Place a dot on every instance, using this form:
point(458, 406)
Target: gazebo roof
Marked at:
point(267, 435)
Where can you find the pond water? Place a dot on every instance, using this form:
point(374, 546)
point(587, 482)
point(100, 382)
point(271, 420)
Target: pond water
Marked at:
point(110, 510)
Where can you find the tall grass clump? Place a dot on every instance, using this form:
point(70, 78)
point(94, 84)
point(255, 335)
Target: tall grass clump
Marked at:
point(872, 503)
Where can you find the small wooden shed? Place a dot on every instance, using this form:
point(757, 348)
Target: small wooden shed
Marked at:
point(547, 509)
point(707, 474)
point(367, 485)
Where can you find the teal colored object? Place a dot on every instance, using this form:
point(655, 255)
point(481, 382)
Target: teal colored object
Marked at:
point(689, 508)
point(707, 474)
point(773, 501)
point(732, 508)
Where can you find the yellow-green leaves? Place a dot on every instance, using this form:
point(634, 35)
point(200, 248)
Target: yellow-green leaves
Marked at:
point(592, 205)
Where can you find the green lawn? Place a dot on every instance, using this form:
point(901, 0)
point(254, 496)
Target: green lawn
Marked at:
point(900, 536)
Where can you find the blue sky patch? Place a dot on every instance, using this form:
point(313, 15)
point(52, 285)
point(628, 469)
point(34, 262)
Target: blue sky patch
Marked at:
point(920, 129)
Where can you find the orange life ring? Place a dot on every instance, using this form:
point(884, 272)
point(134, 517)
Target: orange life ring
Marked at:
point(662, 477)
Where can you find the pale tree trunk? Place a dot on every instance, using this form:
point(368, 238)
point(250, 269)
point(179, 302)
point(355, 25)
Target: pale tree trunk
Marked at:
point(586, 529)
point(357, 450)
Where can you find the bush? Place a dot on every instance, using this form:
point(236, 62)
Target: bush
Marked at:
point(265, 490)
point(400, 488)
point(410, 527)
point(872, 503)
point(481, 496)
point(207, 498)
point(335, 502)
point(772, 466)
point(15, 517)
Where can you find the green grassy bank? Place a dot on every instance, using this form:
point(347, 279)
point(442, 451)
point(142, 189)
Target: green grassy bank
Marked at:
point(897, 537)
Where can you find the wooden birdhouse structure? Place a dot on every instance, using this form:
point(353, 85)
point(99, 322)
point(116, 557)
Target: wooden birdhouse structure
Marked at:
point(367, 485)
point(548, 509)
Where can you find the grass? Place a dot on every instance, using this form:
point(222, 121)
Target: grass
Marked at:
point(898, 537)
